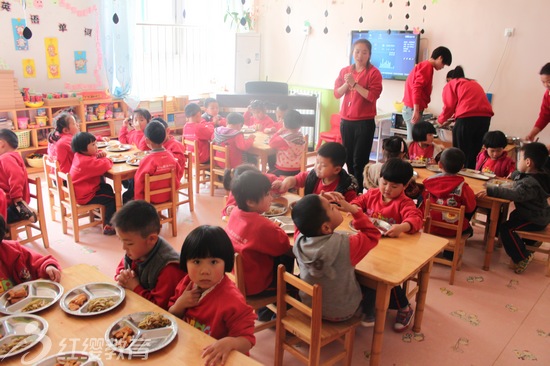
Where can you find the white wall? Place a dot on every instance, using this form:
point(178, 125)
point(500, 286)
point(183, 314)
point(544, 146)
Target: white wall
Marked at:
point(472, 29)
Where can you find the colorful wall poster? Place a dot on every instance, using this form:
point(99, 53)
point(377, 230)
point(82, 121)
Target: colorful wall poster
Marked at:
point(29, 71)
point(80, 62)
point(18, 25)
point(52, 58)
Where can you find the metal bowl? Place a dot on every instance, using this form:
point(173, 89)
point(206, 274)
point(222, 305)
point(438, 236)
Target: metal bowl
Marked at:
point(445, 134)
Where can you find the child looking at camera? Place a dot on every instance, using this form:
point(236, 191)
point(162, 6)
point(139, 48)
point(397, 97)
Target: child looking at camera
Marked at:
point(59, 141)
point(132, 129)
point(423, 147)
point(492, 158)
point(289, 143)
point(208, 300)
point(257, 117)
point(150, 266)
point(211, 113)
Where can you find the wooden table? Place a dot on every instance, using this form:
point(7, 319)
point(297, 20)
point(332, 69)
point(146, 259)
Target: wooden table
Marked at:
point(492, 203)
point(120, 172)
point(261, 149)
point(68, 333)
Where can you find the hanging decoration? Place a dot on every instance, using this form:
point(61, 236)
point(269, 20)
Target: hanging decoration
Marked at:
point(80, 61)
point(52, 58)
point(27, 33)
point(361, 16)
point(18, 26)
point(115, 15)
point(288, 11)
point(325, 30)
point(29, 70)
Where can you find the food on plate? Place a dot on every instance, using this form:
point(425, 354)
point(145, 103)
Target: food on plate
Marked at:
point(77, 302)
point(100, 304)
point(123, 337)
point(15, 343)
point(16, 295)
point(154, 321)
point(64, 361)
point(133, 161)
point(35, 304)
point(274, 210)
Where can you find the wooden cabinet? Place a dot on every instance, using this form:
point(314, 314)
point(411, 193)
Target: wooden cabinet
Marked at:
point(169, 108)
point(100, 117)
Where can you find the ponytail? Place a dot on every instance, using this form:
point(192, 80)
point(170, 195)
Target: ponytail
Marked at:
point(61, 123)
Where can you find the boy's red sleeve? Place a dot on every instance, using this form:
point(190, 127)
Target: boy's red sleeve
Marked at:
point(366, 239)
point(123, 135)
point(350, 195)
point(242, 143)
point(168, 279)
point(469, 197)
point(301, 179)
point(412, 215)
point(119, 268)
point(180, 287)
point(139, 183)
point(204, 131)
point(361, 201)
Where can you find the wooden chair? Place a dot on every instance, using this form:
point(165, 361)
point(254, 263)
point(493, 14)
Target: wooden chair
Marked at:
point(169, 205)
point(255, 301)
point(456, 243)
point(186, 186)
point(307, 163)
point(27, 226)
point(73, 212)
point(219, 155)
point(51, 167)
point(306, 325)
point(540, 237)
point(200, 169)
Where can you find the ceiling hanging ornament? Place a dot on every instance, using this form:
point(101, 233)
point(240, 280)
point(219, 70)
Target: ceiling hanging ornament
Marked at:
point(115, 15)
point(325, 30)
point(361, 17)
point(27, 33)
point(288, 11)
point(243, 1)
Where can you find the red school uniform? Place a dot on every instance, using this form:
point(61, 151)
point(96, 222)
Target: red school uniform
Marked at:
point(501, 167)
point(231, 199)
point(62, 152)
point(544, 114)
point(202, 132)
point(464, 98)
point(258, 240)
point(178, 150)
point(157, 162)
point(13, 177)
point(135, 137)
point(418, 87)
point(86, 173)
point(264, 123)
point(418, 152)
point(237, 144)
point(349, 193)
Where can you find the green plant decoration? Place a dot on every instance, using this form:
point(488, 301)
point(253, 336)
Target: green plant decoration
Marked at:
point(237, 20)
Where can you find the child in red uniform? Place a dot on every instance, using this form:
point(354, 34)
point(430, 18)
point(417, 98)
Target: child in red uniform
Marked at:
point(19, 264)
point(328, 175)
point(174, 146)
point(492, 158)
point(14, 180)
point(418, 87)
point(423, 147)
point(87, 171)
point(211, 113)
point(289, 143)
point(150, 266)
point(233, 137)
point(196, 129)
point(256, 117)
point(157, 162)
point(208, 300)
point(132, 129)
point(59, 141)
point(389, 203)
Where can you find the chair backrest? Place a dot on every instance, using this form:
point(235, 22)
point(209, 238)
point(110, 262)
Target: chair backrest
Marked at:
point(192, 146)
point(161, 188)
point(239, 273)
point(219, 157)
point(303, 163)
point(65, 187)
point(335, 120)
point(51, 167)
point(445, 211)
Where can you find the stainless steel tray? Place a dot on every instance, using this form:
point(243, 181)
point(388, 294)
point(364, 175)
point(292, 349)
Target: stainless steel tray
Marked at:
point(20, 333)
point(95, 290)
point(471, 173)
point(381, 225)
point(118, 148)
point(284, 223)
point(39, 290)
point(276, 209)
point(86, 359)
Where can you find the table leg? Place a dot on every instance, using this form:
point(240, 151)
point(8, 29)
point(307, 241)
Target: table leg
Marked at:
point(263, 162)
point(493, 222)
point(117, 186)
point(382, 303)
point(423, 278)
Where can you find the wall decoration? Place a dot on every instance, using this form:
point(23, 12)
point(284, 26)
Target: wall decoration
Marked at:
point(88, 32)
point(288, 11)
point(38, 4)
point(62, 27)
point(80, 62)
point(55, 2)
point(325, 30)
point(35, 19)
point(29, 71)
point(5, 6)
point(361, 16)
point(52, 58)
point(19, 25)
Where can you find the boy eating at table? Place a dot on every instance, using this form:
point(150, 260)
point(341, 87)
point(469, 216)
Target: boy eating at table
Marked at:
point(328, 257)
point(150, 266)
point(328, 175)
point(172, 145)
point(197, 130)
point(232, 136)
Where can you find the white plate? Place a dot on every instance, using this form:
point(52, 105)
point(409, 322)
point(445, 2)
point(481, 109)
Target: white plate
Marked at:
point(86, 359)
point(118, 148)
point(143, 341)
point(45, 290)
point(284, 223)
point(118, 158)
point(276, 209)
point(248, 130)
point(92, 291)
point(32, 327)
point(476, 174)
point(381, 225)
point(101, 144)
point(418, 163)
point(433, 168)
point(133, 161)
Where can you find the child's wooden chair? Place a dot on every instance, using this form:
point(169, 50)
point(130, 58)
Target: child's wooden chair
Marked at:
point(540, 237)
point(307, 161)
point(456, 244)
point(51, 167)
point(186, 185)
point(169, 205)
point(72, 211)
point(35, 188)
point(201, 170)
point(219, 155)
point(306, 325)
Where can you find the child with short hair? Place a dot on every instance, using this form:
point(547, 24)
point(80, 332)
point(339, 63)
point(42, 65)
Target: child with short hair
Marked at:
point(157, 162)
point(19, 264)
point(423, 147)
point(233, 137)
point(89, 166)
point(289, 143)
point(492, 158)
point(257, 117)
point(150, 266)
point(173, 146)
point(328, 175)
point(328, 257)
point(208, 300)
point(280, 112)
point(197, 130)
point(393, 147)
point(14, 181)
point(59, 141)
point(132, 129)
point(211, 113)
point(529, 192)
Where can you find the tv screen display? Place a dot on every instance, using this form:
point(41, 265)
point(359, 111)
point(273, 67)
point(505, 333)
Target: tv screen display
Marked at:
point(394, 53)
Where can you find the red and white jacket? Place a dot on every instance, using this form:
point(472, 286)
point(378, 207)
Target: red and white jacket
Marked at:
point(62, 152)
point(135, 137)
point(202, 132)
point(290, 149)
point(544, 114)
point(418, 87)
point(238, 145)
point(86, 173)
point(157, 162)
point(14, 180)
point(354, 106)
point(464, 98)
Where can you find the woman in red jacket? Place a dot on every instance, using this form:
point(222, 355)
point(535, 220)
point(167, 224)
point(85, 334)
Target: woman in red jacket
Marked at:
point(544, 114)
point(360, 84)
point(467, 101)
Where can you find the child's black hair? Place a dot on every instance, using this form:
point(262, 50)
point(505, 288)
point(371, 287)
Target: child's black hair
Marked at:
point(80, 142)
point(309, 215)
point(62, 121)
point(394, 146)
point(155, 132)
point(191, 109)
point(396, 170)
point(3, 228)
point(495, 139)
point(445, 54)
point(293, 119)
point(545, 69)
point(161, 121)
point(537, 152)
point(334, 151)
point(249, 186)
point(10, 137)
point(144, 113)
point(207, 241)
point(257, 105)
point(235, 118)
point(452, 160)
point(283, 107)
point(421, 130)
point(137, 216)
point(456, 73)
point(230, 174)
point(208, 101)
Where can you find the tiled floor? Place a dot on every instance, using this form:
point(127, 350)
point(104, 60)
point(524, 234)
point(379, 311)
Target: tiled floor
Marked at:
point(485, 318)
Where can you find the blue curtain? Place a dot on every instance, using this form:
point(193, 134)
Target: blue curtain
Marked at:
point(117, 44)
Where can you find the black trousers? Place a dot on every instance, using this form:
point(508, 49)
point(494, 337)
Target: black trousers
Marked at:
point(357, 138)
point(106, 197)
point(468, 136)
point(512, 243)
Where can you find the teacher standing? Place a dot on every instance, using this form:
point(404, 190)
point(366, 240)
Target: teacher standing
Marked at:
point(544, 114)
point(360, 84)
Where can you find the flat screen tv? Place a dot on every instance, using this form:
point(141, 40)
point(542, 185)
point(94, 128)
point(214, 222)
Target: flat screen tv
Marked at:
point(394, 53)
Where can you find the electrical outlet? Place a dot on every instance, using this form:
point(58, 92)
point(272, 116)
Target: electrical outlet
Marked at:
point(508, 32)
